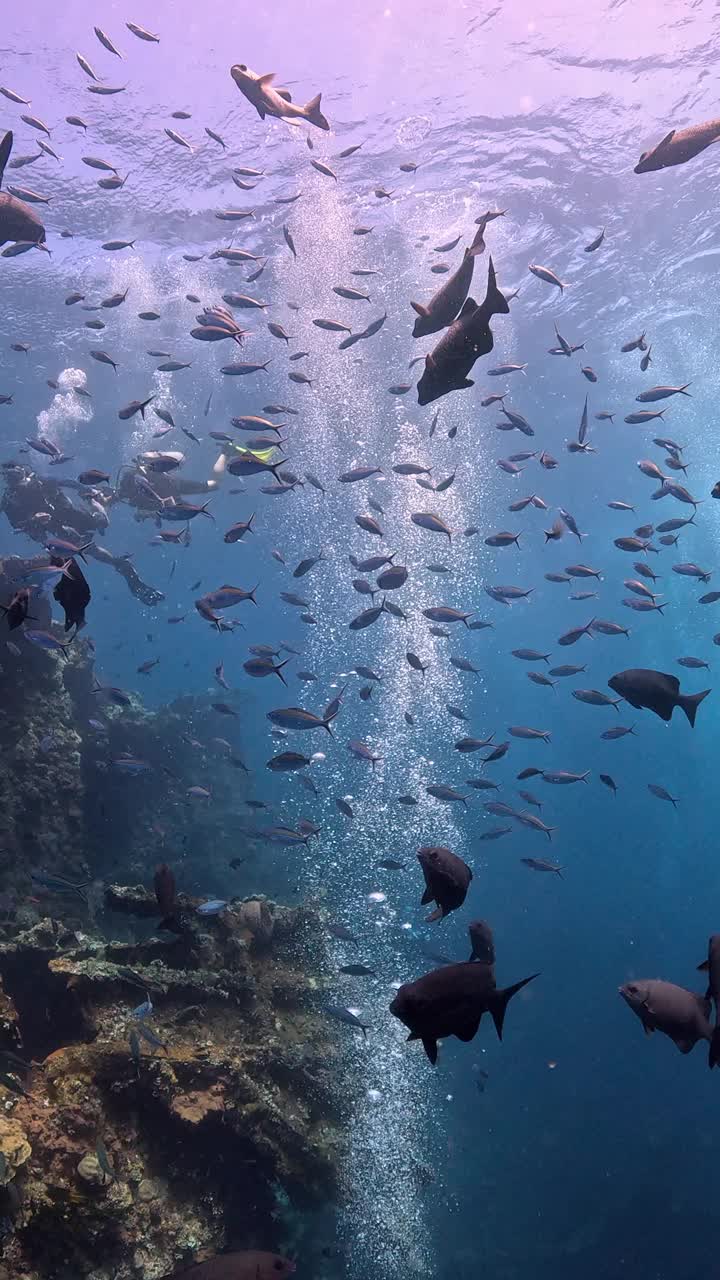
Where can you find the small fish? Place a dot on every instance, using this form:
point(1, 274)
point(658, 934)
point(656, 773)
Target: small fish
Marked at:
point(544, 273)
point(341, 1014)
point(539, 864)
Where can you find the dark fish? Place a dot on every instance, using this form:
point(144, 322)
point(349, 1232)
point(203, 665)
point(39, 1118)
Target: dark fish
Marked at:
point(442, 309)
point(657, 692)
point(661, 1006)
point(483, 945)
point(712, 967)
point(467, 338)
point(72, 594)
point(451, 1002)
point(165, 894)
point(18, 222)
point(16, 611)
point(447, 879)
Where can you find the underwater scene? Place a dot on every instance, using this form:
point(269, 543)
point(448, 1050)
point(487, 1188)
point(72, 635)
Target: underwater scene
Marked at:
point(359, 626)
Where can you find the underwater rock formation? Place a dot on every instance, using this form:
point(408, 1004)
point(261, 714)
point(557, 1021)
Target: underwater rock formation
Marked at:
point(145, 1139)
point(64, 807)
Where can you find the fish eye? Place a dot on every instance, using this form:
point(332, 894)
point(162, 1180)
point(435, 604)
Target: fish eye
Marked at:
point(632, 989)
point(277, 1264)
point(243, 67)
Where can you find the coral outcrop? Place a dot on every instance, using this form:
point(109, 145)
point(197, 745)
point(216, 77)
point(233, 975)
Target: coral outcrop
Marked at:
point(182, 1095)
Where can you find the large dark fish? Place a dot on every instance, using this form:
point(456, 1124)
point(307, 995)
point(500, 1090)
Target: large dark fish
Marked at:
point(17, 220)
point(16, 611)
point(275, 102)
point(451, 1002)
point(447, 367)
point(643, 687)
point(442, 309)
point(711, 966)
point(250, 1264)
point(662, 1006)
point(72, 594)
point(166, 894)
point(447, 879)
point(678, 146)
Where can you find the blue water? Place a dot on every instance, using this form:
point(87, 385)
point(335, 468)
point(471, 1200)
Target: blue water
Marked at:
point(591, 1148)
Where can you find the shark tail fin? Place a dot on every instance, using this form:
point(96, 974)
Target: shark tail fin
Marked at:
point(501, 1000)
point(5, 150)
point(314, 114)
point(495, 301)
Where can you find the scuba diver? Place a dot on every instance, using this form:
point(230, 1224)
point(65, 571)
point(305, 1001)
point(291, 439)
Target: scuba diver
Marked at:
point(41, 506)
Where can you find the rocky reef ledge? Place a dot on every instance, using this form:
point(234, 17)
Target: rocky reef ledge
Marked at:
point(163, 1099)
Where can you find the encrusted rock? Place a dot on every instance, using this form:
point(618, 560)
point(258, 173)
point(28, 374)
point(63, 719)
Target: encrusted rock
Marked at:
point(14, 1148)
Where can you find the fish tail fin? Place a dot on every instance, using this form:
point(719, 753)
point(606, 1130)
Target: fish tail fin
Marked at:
point(314, 114)
point(5, 150)
point(501, 1000)
point(714, 1052)
point(690, 703)
point(278, 671)
point(431, 1049)
point(495, 301)
point(478, 245)
point(204, 509)
point(684, 391)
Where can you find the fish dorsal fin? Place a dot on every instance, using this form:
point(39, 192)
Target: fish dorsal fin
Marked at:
point(5, 150)
point(265, 80)
point(420, 309)
point(704, 966)
point(668, 138)
point(469, 306)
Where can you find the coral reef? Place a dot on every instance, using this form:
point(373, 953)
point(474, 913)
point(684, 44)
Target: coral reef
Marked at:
point(136, 1140)
point(125, 1157)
